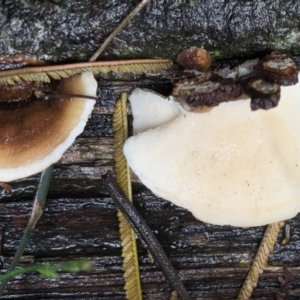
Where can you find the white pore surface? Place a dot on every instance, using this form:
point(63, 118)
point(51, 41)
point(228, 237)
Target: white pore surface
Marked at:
point(152, 111)
point(90, 88)
point(227, 166)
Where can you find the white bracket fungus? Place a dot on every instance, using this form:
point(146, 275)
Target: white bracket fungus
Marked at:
point(228, 165)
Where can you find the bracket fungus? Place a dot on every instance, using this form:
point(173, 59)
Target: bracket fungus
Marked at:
point(228, 165)
point(35, 132)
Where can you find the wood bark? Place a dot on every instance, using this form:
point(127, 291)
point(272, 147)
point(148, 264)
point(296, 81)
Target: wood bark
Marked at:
point(61, 30)
point(80, 222)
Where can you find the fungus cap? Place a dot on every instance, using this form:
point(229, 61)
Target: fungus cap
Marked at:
point(154, 104)
point(34, 136)
point(229, 165)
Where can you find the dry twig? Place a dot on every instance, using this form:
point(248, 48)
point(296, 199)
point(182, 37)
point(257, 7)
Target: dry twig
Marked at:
point(144, 231)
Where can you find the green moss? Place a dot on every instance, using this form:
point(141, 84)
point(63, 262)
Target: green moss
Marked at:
point(291, 41)
point(216, 54)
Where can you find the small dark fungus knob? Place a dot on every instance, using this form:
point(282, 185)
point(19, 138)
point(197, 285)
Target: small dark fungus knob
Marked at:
point(195, 58)
point(263, 94)
point(279, 68)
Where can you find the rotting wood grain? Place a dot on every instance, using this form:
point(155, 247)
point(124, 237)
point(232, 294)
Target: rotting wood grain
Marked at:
point(211, 259)
point(80, 221)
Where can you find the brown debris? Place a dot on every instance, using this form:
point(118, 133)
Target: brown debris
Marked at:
point(6, 186)
point(19, 61)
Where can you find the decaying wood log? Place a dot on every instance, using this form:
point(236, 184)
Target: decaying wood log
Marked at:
point(80, 222)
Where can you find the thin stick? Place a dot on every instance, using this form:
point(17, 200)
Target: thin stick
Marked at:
point(37, 211)
point(140, 226)
point(118, 29)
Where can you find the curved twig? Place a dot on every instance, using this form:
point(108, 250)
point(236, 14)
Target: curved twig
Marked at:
point(141, 227)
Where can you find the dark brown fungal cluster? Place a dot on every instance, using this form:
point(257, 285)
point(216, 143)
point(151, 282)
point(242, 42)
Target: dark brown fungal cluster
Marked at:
point(209, 90)
point(263, 94)
point(279, 68)
point(258, 79)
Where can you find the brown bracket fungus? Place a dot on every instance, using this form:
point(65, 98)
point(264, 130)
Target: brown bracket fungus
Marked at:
point(228, 166)
point(34, 135)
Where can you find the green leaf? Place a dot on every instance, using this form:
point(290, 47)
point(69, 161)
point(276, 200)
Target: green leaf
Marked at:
point(76, 266)
point(48, 272)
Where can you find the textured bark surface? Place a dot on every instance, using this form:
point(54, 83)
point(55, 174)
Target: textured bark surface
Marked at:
point(80, 222)
point(80, 219)
point(63, 30)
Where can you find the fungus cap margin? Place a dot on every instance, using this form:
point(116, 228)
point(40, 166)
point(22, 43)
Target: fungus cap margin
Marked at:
point(34, 137)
